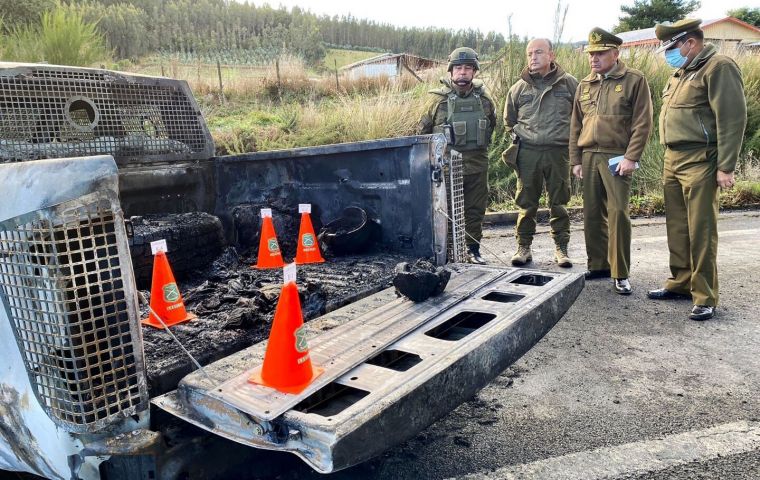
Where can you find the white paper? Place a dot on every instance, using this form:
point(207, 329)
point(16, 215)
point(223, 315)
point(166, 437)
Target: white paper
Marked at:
point(158, 246)
point(289, 273)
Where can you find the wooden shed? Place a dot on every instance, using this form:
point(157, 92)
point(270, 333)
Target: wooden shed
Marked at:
point(389, 65)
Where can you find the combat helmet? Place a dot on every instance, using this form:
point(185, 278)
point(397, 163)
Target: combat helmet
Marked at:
point(463, 56)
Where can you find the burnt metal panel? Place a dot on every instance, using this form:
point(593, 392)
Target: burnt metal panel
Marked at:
point(50, 111)
point(392, 179)
point(67, 289)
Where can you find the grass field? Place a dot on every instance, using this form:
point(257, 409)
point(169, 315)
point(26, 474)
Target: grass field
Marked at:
point(344, 57)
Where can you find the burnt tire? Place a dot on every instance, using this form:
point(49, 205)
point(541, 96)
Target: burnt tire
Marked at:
point(194, 240)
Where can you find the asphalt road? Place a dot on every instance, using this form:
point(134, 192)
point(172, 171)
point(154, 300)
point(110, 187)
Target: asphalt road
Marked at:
point(622, 387)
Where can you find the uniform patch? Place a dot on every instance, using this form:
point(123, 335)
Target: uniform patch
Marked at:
point(585, 96)
point(618, 88)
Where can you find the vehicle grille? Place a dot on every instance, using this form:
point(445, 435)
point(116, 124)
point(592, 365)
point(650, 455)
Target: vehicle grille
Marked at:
point(62, 282)
point(455, 195)
point(58, 112)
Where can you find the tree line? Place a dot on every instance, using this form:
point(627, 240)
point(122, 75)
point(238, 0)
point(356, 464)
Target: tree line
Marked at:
point(139, 27)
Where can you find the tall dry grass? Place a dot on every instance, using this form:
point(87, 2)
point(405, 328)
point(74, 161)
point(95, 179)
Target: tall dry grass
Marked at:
point(302, 109)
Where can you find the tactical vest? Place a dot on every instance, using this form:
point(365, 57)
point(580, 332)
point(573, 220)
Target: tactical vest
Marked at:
point(467, 119)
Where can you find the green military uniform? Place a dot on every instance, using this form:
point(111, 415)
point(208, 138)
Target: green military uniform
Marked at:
point(472, 116)
point(537, 112)
point(612, 116)
point(702, 123)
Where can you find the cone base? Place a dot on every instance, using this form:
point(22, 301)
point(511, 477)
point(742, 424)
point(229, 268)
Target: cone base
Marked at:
point(293, 389)
point(304, 262)
point(156, 324)
point(267, 267)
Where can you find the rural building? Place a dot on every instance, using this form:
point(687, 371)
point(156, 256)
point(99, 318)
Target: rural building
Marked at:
point(725, 33)
point(389, 65)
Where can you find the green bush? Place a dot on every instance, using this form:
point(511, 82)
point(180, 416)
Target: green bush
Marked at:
point(62, 38)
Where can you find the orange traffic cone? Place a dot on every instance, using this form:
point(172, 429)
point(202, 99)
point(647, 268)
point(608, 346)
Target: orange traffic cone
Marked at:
point(165, 299)
point(308, 247)
point(287, 366)
point(269, 249)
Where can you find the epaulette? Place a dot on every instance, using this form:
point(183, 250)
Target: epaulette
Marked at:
point(442, 91)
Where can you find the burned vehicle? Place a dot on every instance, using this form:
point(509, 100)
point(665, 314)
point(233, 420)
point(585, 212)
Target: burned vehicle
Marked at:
point(95, 164)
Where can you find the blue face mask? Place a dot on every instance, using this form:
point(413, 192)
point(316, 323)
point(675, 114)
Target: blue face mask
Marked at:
point(674, 58)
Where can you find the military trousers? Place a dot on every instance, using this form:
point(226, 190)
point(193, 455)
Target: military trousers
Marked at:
point(691, 218)
point(606, 218)
point(536, 167)
point(475, 190)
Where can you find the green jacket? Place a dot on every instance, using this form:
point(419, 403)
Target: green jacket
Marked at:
point(611, 114)
point(703, 104)
point(475, 161)
point(538, 110)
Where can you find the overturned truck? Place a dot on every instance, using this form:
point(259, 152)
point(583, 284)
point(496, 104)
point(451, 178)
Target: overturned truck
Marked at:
point(95, 164)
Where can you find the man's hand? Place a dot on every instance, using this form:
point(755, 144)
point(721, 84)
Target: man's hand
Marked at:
point(626, 167)
point(725, 179)
point(578, 171)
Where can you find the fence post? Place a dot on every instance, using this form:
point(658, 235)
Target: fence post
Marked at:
point(221, 86)
point(337, 84)
point(279, 81)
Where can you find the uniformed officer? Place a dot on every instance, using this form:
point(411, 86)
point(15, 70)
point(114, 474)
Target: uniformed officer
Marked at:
point(537, 116)
point(702, 122)
point(465, 108)
point(612, 118)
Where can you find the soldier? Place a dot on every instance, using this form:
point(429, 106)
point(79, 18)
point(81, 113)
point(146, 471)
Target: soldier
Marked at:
point(465, 108)
point(612, 117)
point(537, 116)
point(702, 122)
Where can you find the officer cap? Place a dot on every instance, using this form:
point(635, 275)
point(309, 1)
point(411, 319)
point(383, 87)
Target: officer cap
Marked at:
point(463, 56)
point(600, 40)
point(669, 33)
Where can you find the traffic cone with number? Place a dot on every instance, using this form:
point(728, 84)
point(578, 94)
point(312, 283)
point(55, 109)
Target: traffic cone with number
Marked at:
point(165, 298)
point(269, 250)
point(287, 365)
point(308, 247)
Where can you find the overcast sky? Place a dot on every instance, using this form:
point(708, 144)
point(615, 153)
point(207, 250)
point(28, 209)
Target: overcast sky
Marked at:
point(530, 18)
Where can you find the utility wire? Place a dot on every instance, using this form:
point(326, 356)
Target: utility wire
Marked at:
point(441, 211)
point(180, 345)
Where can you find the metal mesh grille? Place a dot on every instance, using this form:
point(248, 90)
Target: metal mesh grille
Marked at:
point(63, 290)
point(57, 113)
point(456, 241)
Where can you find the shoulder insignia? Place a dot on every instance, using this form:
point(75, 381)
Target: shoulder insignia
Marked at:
point(618, 88)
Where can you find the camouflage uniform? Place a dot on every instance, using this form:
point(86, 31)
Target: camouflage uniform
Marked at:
point(474, 154)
